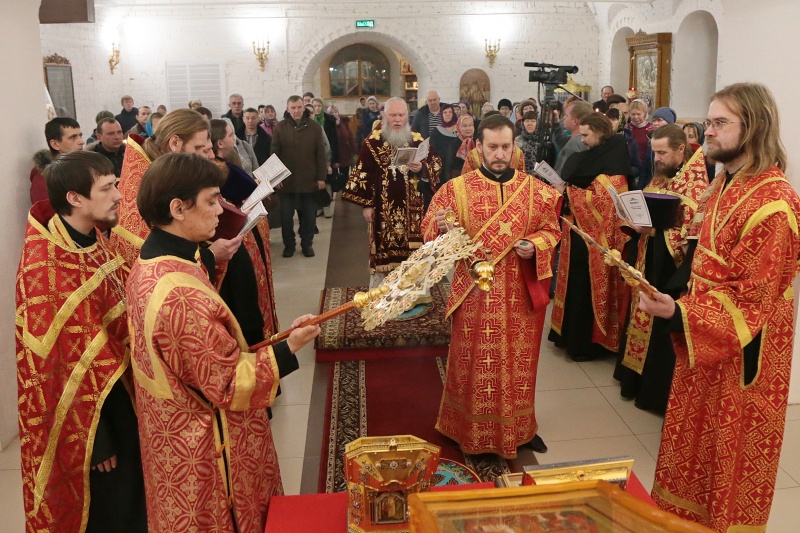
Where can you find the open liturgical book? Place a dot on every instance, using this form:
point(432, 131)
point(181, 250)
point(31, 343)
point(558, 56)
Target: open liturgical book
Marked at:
point(270, 174)
point(404, 156)
point(256, 213)
point(631, 207)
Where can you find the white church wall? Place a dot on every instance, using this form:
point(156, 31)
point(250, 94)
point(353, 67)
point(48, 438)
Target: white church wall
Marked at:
point(444, 38)
point(87, 47)
point(22, 100)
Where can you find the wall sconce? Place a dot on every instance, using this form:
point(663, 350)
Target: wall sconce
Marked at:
point(261, 52)
point(491, 50)
point(113, 59)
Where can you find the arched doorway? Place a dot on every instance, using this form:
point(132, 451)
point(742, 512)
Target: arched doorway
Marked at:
point(395, 48)
point(694, 65)
point(620, 60)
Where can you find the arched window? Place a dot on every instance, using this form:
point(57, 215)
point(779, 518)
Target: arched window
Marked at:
point(359, 70)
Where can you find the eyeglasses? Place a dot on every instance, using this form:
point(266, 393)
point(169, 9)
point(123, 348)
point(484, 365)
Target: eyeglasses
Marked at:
point(718, 124)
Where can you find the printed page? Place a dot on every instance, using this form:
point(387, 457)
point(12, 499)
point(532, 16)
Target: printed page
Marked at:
point(422, 150)
point(256, 213)
point(546, 172)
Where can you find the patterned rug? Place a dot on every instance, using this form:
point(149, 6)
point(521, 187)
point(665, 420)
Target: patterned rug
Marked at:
point(424, 328)
point(392, 397)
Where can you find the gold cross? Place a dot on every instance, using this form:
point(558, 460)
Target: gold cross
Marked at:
point(487, 330)
point(525, 388)
point(486, 208)
point(505, 228)
point(514, 299)
point(489, 360)
point(466, 329)
point(489, 389)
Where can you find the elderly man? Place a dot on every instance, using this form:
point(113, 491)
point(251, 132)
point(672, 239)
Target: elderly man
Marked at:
point(236, 114)
point(429, 116)
point(393, 206)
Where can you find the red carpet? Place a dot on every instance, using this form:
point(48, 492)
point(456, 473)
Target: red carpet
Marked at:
point(388, 397)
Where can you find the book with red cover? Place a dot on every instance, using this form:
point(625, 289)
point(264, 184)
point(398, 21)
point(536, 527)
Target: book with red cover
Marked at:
point(231, 221)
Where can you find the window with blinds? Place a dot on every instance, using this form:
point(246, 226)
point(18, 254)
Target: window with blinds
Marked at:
point(195, 79)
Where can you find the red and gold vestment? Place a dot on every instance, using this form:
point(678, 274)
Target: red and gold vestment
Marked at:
point(593, 211)
point(689, 185)
point(71, 350)
point(130, 232)
point(395, 230)
point(488, 400)
point(207, 447)
point(474, 160)
point(723, 432)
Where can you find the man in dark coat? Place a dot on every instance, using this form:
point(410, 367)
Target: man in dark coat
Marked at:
point(127, 117)
point(297, 141)
point(259, 139)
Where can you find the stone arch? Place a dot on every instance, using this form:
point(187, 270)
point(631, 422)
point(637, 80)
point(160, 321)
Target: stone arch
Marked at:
point(620, 60)
point(324, 47)
point(694, 64)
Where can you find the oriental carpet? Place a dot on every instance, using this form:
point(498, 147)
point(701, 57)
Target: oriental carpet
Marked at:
point(426, 331)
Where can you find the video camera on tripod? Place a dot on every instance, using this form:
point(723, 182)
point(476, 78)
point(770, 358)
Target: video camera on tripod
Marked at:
point(551, 77)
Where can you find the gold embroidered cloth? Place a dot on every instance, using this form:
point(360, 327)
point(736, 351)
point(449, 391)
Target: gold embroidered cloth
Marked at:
point(206, 441)
point(71, 349)
point(488, 401)
point(131, 231)
point(722, 438)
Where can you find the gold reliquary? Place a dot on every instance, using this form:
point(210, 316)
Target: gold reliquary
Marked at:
point(381, 473)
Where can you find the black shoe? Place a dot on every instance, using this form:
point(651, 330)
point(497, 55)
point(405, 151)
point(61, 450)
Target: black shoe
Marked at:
point(582, 358)
point(537, 444)
point(308, 251)
point(288, 252)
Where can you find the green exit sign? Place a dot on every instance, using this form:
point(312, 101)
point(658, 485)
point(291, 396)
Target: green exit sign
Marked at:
point(365, 24)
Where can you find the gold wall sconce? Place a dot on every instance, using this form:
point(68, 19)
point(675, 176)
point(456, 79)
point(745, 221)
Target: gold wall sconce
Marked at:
point(491, 50)
point(113, 59)
point(262, 53)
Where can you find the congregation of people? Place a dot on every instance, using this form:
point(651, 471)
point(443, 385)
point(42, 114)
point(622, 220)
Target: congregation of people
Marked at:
point(155, 319)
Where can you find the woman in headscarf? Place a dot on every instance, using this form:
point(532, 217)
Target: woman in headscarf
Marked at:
point(270, 119)
point(443, 135)
point(456, 152)
point(526, 140)
point(369, 116)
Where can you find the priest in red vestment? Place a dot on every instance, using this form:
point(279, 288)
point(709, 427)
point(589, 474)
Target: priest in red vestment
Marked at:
point(209, 458)
point(590, 295)
point(246, 283)
point(645, 367)
point(388, 193)
point(81, 465)
point(181, 130)
point(488, 400)
point(733, 331)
